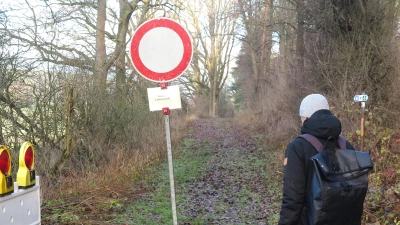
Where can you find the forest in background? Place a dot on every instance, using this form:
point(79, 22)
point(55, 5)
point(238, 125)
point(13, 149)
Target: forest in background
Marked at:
point(68, 86)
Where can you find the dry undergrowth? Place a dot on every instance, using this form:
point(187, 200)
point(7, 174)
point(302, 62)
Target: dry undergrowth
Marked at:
point(87, 197)
point(92, 193)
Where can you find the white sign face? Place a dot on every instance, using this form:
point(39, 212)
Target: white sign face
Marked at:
point(161, 50)
point(162, 98)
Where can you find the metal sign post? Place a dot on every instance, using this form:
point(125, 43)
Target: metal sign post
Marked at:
point(362, 98)
point(166, 112)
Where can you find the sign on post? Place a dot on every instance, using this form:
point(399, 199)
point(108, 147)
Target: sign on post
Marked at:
point(362, 99)
point(161, 50)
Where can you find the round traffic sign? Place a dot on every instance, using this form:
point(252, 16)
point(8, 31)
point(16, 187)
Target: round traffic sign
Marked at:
point(161, 50)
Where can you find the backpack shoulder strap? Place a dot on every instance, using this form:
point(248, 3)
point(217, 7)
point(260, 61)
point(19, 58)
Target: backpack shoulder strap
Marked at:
point(313, 141)
point(342, 142)
point(318, 145)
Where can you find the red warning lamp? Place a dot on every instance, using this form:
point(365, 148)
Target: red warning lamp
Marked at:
point(4, 162)
point(26, 173)
point(29, 157)
point(6, 181)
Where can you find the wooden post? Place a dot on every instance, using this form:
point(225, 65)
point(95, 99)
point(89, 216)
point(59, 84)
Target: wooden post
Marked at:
point(69, 141)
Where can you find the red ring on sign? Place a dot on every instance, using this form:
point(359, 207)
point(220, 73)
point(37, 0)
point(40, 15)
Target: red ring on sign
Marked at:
point(187, 50)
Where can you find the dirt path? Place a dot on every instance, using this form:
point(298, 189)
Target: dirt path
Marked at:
point(221, 177)
point(233, 189)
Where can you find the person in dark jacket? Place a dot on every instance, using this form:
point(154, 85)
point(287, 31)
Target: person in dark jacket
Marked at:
point(316, 120)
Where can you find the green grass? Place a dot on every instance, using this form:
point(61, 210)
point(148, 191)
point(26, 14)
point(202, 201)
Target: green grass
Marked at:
point(155, 208)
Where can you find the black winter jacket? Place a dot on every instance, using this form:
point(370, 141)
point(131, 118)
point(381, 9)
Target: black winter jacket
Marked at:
point(322, 124)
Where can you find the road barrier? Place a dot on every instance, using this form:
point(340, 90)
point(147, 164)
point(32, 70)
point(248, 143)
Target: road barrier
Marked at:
point(20, 201)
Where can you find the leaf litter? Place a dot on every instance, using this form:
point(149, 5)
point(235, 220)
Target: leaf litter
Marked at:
point(233, 189)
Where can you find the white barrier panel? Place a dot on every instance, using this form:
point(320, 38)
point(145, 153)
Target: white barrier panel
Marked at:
point(22, 207)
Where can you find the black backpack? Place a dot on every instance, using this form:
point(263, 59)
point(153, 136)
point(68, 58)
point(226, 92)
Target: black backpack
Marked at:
point(338, 185)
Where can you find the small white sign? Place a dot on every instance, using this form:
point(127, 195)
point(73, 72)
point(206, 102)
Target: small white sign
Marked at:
point(162, 98)
point(361, 98)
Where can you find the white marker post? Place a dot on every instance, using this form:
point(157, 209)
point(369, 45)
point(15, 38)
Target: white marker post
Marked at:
point(161, 50)
point(362, 98)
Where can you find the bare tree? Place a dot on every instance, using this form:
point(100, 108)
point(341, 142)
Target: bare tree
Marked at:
point(259, 24)
point(213, 44)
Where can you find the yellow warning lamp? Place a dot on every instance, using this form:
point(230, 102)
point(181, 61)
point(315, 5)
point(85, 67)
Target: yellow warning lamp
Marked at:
point(6, 181)
point(26, 173)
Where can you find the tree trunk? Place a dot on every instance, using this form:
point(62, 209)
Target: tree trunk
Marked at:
point(101, 55)
point(213, 59)
point(216, 102)
point(213, 48)
point(126, 11)
point(265, 60)
point(282, 49)
point(300, 49)
point(69, 139)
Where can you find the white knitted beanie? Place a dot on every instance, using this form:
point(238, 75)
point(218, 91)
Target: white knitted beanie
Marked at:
point(312, 103)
